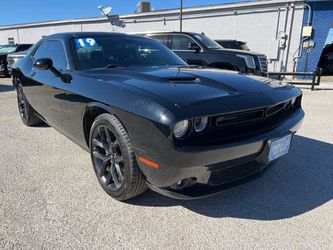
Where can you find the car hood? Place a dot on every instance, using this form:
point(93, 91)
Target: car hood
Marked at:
point(237, 51)
point(186, 86)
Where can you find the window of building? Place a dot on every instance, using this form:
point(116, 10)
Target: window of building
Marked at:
point(11, 40)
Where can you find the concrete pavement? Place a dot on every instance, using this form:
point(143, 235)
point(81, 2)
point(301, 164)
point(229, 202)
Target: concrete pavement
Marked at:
point(50, 198)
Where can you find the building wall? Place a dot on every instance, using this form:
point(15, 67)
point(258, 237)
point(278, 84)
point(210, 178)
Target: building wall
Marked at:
point(322, 21)
point(253, 22)
point(257, 26)
point(32, 35)
point(257, 29)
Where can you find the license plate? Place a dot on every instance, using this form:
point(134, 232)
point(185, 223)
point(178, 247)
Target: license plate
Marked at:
point(279, 147)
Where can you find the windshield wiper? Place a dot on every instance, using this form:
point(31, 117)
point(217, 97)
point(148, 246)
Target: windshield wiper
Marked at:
point(112, 66)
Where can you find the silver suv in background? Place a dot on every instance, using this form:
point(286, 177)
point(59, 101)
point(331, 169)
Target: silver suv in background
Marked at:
point(13, 58)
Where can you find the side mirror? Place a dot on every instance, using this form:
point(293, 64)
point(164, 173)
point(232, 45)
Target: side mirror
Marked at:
point(47, 64)
point(43, 64)
point(194, 46)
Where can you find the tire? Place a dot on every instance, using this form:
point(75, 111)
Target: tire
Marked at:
point(113, 159)
point(27, 113)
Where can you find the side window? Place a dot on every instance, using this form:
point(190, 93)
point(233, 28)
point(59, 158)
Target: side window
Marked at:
point(181, 42)
point(54, 50)
point(161, 38)
point(23, 47)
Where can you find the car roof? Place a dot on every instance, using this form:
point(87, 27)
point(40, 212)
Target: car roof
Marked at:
point(68, 35)
point(169, 32)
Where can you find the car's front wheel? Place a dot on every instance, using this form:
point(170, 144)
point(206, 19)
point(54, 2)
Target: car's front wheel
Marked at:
point(113, 159)
point(27, 113)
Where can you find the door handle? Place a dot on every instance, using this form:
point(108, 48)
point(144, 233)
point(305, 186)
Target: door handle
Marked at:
point(33, 74)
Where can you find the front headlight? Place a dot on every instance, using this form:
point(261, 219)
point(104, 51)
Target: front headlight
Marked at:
point(200, 124)
point(249, 60)
point(181, 129)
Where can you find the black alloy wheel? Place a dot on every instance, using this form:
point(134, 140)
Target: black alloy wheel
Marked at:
point(22, 104)
point(27, 113)
point(108, 159)
point(113, 159)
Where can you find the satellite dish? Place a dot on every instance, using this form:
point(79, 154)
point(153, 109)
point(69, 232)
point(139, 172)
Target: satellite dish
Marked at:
point(114, 19)
point(105, 10)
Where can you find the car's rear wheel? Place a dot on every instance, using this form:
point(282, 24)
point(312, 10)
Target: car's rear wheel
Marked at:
point(113, 159)
point(27, 113)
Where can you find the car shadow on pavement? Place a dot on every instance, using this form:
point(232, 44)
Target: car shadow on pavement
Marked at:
point(298, 183)
point(6, 88)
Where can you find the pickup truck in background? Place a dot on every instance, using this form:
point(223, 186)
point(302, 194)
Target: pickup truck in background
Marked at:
point(5, 50)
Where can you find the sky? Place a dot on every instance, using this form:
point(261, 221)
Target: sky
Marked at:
point(26, 11)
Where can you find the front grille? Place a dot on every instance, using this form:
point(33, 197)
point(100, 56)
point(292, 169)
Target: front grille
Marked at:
point(239, 117)
point(233, 127)
point(263, 63)
point(277, 108)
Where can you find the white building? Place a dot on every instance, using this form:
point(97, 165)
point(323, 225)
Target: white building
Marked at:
point(273, 27)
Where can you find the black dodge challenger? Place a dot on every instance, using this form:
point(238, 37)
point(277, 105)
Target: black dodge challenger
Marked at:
point(150, 120)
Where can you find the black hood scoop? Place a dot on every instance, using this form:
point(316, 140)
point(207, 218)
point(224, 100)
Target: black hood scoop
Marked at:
point(182, 78)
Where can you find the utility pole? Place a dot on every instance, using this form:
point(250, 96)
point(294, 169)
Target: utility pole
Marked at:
point(181, 16)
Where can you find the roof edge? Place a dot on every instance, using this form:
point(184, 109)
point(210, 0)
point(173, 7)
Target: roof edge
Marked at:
point(187, 10)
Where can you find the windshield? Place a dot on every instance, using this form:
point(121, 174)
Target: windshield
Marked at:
point(209, 43)
point(233, 44)
point(123, 51)
point(5, 49)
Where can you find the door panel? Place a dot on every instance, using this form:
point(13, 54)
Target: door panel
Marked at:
point(192, 58)
point(48, 93)
point(179, 45)
point(45, 91)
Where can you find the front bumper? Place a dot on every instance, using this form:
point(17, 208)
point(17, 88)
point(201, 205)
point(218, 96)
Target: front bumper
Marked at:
point(223, 176)
point(200, 191)
point(214, 168)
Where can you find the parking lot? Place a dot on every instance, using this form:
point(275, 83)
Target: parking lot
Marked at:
point(50, 198)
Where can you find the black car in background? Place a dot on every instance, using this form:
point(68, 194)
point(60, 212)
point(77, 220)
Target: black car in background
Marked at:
point(326, 60)
point(7, 49)
point(198, 49)
point(148, 119)
point(232, 44)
